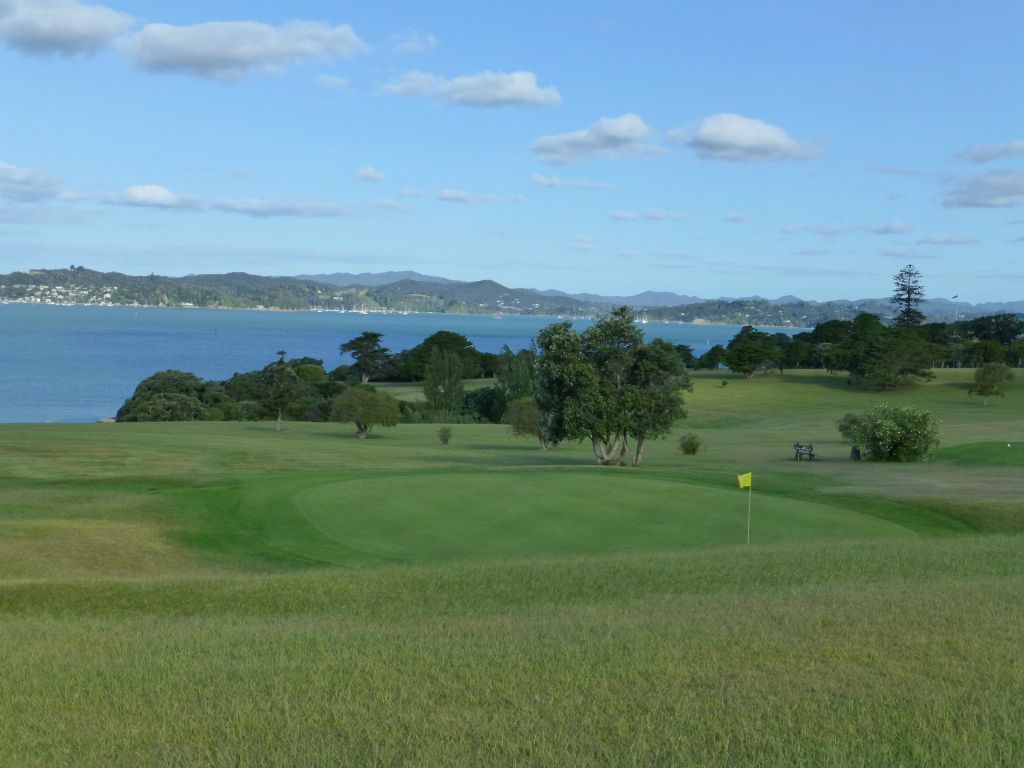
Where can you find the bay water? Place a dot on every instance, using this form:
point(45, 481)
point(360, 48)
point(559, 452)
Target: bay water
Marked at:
point(79, 363)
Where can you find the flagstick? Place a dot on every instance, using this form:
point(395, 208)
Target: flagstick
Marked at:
point(750, 492)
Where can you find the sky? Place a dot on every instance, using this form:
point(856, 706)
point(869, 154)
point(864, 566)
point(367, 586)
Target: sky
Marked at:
point(711, 149)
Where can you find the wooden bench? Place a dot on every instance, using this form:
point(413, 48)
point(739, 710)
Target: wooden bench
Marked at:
point(802, 450)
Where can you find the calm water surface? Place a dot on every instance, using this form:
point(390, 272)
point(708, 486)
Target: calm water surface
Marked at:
point(74, 364)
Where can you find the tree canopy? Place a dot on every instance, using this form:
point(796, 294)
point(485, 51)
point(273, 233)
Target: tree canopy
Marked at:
point(608, 386)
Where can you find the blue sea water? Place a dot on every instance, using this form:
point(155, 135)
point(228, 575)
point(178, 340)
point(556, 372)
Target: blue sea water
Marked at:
point(80, 363)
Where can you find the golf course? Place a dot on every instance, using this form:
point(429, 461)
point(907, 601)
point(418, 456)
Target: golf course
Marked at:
point(219, 593)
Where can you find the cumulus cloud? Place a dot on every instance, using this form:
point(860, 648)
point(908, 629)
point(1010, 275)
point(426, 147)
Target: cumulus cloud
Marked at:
point(369, 173)
point(950, 240)
point(262, 208)
point(232, 50)
point(555, 182)
point(28, 185)
point(996, 189)
point(156, 196)
point(413, 42)
point(986, 152)
point(472, 198)
point(651, 214)
point(65, 27)
point(484, 89)
point(608, 136)
point(743, 139)
point(332, 82)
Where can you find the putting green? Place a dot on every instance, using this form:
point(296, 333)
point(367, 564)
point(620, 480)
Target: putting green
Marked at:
point(477, 516)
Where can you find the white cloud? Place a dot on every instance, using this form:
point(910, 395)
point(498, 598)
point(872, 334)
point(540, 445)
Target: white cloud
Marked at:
point(332, 82)
point(369, 173)
point(743, 139)
point(484, 89)
point(950, 240)
point(987, 152)
point(996, 189)
point(825, 230)
point(651, 214)
point(156, 196)
point(410, 192)
point(259, 207)
point(28, 185)
point(65, 27)
point(584, 243)
point(555, 182)
point(413, 42)
point(608, 136)
point(472, 198)
point(906, 254)
point(391, 205)
point(232, 50)
point(891, 228)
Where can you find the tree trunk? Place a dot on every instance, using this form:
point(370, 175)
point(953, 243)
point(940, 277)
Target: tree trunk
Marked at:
point(638, 454)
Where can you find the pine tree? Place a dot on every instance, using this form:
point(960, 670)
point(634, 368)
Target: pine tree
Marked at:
point(907, 296)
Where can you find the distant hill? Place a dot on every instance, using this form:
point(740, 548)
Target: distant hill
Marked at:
point(381, 291)
point(372, 279)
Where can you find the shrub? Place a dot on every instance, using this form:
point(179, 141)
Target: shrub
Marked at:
point(891, 432)
point(444, 434)
point(690, 443)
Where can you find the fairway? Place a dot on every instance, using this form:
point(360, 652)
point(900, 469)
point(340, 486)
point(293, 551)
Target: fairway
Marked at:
point(220, 593)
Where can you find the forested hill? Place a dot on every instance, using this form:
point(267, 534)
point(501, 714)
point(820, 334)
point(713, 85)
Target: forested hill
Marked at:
point(238, 290)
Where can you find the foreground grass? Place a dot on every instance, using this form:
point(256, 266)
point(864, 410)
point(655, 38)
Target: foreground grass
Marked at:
point(221, 594)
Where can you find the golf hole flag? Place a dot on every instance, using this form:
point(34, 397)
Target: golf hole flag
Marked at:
point(745, 480)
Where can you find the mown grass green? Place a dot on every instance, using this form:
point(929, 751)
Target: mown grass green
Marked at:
point(186, 594)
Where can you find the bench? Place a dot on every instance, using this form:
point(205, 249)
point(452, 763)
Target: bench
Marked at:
point(803, 450)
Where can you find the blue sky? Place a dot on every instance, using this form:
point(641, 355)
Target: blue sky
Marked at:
point(714, 149)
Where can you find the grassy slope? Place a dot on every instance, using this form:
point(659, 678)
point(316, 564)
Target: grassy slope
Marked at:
point(166, 593)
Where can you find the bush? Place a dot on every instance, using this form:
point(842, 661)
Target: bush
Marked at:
point(690, 443)
point(891, 432)
point(444, 434)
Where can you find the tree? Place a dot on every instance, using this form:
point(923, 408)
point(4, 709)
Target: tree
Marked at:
point(891, 432)
point(442, 382)
point(713, 358)
point(1017, 353)
point(524, 419)
point(371, 357)
point(749, 351)
point(989, 380)
point(365, 407)
point(415, 361)
point(907, 296)
point(284, 385)
point(607, 386)
point(885, 358)
point(515, 372)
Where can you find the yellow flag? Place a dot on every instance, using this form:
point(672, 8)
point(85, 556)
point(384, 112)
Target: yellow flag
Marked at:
point(745, 480)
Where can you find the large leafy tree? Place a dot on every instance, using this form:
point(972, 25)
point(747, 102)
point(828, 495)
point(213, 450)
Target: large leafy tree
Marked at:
point(749, 351)
point(414, 361)
point(990, 379)
point(907, 296)
point(371, 356)
point(365, 407)
point(608, 386)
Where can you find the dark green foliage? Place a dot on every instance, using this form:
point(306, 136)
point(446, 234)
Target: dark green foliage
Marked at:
point(444, 434)
point(607, 386)
point(886, 358)
point(984, 352)
point(1002, 327)
point(442, 383)
point(712, 359)
point(989, 380)
point(690, 444)
point(365, 407)
point(524, 419)
point(372, 358)
point(163, 406)
point(485, 404)
point(515, 372)
point(907, 297)
point(891, 432)
point(749, 351)
point(413, 362)
point(685, 352)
